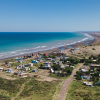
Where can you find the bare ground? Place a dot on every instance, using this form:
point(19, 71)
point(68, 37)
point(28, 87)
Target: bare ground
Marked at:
point(67, 82)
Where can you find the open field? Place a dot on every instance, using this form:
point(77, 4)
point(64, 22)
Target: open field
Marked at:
point(77, 91)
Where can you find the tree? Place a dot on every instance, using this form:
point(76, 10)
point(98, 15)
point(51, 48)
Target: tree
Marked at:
point(56, 67)
point(78, 77)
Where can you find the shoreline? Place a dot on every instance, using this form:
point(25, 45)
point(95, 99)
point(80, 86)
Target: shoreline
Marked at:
point(56, 49)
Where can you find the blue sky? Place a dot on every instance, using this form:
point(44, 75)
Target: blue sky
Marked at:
point(49, 15)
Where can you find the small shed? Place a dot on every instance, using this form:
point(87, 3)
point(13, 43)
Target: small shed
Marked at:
point(30, 64)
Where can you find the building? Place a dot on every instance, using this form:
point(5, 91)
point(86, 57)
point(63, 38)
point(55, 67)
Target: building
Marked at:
point(49, 58)
point(62, 66)
point(26, 69)
point(47, 62)
point(72, 66)
point(51, 70)
point(60, 62)
point(8, 70)
point(35, 70)
point(34, 61)
point(47, 66)
point(20, 61)
point(24, 75)
point(94, 65)
point(20, 58)
point(65, 57)
point(30, 64)
point(1, 69)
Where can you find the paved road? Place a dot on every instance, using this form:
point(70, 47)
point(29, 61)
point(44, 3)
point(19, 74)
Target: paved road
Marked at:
point(62, 93)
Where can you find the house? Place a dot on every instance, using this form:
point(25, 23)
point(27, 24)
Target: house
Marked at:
point(94, 65)
point(61, 57)
point(29, 56)
point(24, 75)
point(62, 66)
point(45, 55)
point(86, 77)
point(88, 84)
point(38, 58)
point(20, 58)
point(17, 73)
point(8, 70)
point(8, 65)
point(84, 70)
point(56, 72)
point(35, 70)
point(20, 66)
point(65, 57)
point(51, 70)
point(30, 64)
point(1, 69)
point(25, 68)
point(20, 61)
point(55, 62)
point(60, 62)
point(49, 58)
point(72, 66)
point(47, 62)
point(34, 61)
point(57, 58)
point(47, 66)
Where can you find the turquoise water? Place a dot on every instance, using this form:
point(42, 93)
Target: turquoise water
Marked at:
point(18, 43)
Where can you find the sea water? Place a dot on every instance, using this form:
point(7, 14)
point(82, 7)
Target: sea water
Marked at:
point(19, 43)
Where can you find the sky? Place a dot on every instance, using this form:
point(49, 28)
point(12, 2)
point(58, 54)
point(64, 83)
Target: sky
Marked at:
point(49, 15)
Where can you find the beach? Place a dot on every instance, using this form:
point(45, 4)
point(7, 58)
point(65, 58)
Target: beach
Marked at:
point(66, 49)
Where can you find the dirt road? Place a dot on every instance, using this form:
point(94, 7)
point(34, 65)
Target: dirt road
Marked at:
point(67, 82)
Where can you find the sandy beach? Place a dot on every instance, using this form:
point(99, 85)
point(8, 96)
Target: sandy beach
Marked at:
point(96, 40)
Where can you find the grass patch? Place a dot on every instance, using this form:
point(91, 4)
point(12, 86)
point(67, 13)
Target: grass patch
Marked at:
point(77, 91)
point(55, 76)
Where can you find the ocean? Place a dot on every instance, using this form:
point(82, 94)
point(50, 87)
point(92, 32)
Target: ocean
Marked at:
point(19, 43)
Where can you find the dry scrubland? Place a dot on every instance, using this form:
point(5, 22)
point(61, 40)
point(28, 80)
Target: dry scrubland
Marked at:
point(28, 89)
point(77, 91)
point(84, 51)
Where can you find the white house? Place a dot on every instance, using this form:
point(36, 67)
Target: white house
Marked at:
point(72, 66)
point(47, 66)
point(51, 70)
